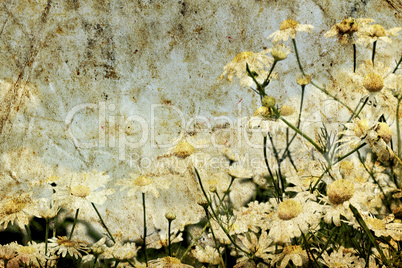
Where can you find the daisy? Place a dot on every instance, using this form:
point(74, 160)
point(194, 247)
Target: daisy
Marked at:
point(257, 62)
point(345, 29)
point(253, 217)
point(143, 184)
point(168, 262)
point(8, 252)
point(343, 257)
point(257, 247)
point(31, 255)
point(340, 194)
point(207, 255)
point(370, 33)
point(63, 246)
point(289, 28)
point(123, 252)
point(294, 216)
point(17, 209)
point(77, 190)
point(279, 52)
point(291, 253)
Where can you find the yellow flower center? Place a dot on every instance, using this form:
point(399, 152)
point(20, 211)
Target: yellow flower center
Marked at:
point(286, 110)
point(347, 26)
point(142, 181)
point(292, 249)
point(26, 250)
point(183, 149)
point(63, 241)
point(288, 24)
point(375, 223)
point(384, 131)
point(303, 80)
point(262, 111)
point(373, 82)
point(80, 191)
point(378, 30)
point(289, 209)
point(340, 191)
point(242, 56)
point(361, 127)
point(16, 205)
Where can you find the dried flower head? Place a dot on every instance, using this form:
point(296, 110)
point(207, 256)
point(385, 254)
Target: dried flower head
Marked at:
point(280, 52)
point(345, 29)
point(268, 101)
point(384, 131)
point(184, 149)
point(286, 110)
point(262, 111)
point(340, 191)
point(289, 209)
point(373, 82)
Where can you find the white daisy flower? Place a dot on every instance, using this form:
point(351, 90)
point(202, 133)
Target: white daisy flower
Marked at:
point(289, 28)
point(370, 33)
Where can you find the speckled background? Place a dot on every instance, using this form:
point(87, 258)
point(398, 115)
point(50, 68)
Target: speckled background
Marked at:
point(140, 71)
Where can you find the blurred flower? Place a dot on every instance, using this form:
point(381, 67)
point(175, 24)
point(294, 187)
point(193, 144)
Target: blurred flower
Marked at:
point(78, 190)
point(280, 52)
point(343, 257)
point(369, 33)
point(289, 28)
point(143, 184)
point(168, 262)
point(257, 62)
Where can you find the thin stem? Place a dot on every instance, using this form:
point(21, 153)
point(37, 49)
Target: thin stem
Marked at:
point(228, 189)
point(354, 58)
point(397, 65)
point(333, 97)
point(169, 227)
point(46, 235)
point(397, 127)
point(213, 235)
point(297, 56)
point(374, 47)
point(269, 169)
point(28, 233)
point(103, 223)
point(75, 222)
point(266, 81)
point(302, 134)
point(145, 230)
point(194, 241)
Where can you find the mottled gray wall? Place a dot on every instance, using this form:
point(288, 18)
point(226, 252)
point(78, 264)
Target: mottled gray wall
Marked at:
point(128, 55)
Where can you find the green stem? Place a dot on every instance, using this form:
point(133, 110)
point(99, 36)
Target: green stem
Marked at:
point(28, 233)
point(368, 233)
point(194, 241)
point(397, 127)
point(213, 235)
point(216, 216)
point(169, 242)
point(75, 222)
point(46, 235)
point(266, 81)
point(354, 58)
point(303, 135)
point(103, 223)
point(297, 56)
point(373, 55)
point(145, 230)
point(269, 169)
point(397, 65)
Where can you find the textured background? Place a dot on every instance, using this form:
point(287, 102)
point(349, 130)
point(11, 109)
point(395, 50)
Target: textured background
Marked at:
point(121, 58)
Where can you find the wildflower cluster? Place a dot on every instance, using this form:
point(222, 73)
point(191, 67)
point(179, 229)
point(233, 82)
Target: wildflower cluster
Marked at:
point(316, 195)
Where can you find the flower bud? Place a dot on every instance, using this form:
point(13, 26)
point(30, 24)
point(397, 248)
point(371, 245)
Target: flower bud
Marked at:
point(268, 101)
point(170, 216)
